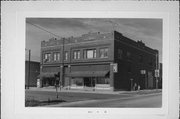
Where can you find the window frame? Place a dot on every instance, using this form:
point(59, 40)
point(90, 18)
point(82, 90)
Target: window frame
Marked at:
point(56, 56)
point(65, 55)
point(104, 52)
point(76, 54)
point(94, 55)
point(47, 55)
point(141, 58)
point(120, 54)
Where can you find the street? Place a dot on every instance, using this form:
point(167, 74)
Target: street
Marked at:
point(76, 99)
point(133, 102)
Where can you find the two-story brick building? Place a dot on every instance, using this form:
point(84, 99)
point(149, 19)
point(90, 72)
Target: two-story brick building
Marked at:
point(96, 61)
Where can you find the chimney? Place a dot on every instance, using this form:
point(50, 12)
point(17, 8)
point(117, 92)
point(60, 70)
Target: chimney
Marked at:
point(140, 43)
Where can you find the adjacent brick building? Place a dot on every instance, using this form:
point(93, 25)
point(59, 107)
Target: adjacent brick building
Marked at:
point(97, 61)
point(34, 73)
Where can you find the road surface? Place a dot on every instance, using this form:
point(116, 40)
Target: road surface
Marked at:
point(150, 101)
point(98, 100)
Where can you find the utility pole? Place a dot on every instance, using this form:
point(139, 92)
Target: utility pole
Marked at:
point(29, 67)
point(62, 65)
point(157, 72)
point(131, 81)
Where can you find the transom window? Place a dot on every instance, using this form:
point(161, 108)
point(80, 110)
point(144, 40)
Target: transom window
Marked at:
point(56, 56)
point(90, 53)
point(76, 54)
point(103, 52)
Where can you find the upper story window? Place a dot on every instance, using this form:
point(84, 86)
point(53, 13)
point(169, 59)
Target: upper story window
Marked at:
point(47, 57)
point(76, 54)
point(103, 52)
point(90, 53)
point(129, 68)
point(128, 54)
point(151, 62)
point(120, 53)
point(56, 56)
point(140, 58)
point(65, 55)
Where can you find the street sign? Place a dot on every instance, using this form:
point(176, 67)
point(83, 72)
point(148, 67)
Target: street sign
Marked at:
point(157, 73)
point(115, 67)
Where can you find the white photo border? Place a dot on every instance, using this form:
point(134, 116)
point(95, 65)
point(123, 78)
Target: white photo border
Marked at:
point(18, 95)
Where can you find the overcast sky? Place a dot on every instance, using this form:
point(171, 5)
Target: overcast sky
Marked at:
point(147, 30)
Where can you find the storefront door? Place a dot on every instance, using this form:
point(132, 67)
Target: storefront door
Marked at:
point(89, 82)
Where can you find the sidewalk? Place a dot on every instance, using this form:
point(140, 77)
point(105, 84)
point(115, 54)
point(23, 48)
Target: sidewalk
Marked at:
point(52, 89)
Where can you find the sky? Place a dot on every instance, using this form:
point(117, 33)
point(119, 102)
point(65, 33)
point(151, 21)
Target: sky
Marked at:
point(147, 30)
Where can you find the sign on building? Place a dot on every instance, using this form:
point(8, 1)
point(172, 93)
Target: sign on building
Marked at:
point(115, 67)
point(157, 73)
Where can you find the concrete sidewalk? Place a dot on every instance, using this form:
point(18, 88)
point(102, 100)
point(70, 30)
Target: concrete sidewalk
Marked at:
point(52, 89)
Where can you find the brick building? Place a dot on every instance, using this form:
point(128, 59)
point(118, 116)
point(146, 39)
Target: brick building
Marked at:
point(34, 73)
point(97, 61)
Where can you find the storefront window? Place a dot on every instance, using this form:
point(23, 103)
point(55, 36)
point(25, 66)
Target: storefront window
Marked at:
point(77, 81)
point(103, 81)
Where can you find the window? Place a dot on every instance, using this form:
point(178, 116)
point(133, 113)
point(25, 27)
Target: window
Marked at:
point(65, 55)
point(102, 80)
point(128, 54)
point(56, 56)
point(76, 54)
point(151, 62)
point(120, 53)
point(129, 69)
point(84, 54)
point(90, 53)
point(47, 57)
point(77, 81)
point(140, 58)
point(103, 52)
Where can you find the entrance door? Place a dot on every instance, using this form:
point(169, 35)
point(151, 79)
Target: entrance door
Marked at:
point(150, 80)
point(89, 82)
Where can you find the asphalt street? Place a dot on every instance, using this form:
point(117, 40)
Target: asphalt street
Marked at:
point(75, 99)
point(150, 101)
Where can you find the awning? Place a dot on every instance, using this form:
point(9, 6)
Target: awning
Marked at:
point(88, 74)
point(48, 74)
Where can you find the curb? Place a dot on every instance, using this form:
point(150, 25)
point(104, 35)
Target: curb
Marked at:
point(141, 92)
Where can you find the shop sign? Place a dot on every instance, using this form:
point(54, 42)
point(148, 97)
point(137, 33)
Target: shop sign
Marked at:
point(115, 67)
point(157, 73)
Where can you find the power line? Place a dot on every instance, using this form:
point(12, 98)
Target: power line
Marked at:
point(42, 28)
